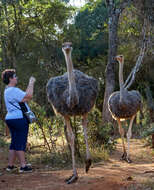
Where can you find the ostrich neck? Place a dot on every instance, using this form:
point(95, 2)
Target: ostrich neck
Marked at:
point(71, 77)
point(73, 98)
point(121, 81)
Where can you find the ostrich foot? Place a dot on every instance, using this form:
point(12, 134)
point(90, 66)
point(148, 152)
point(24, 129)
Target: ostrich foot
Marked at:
point(88, 164)
point(126, 158)
point(72, 179)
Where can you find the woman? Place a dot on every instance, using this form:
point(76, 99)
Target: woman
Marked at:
point(17, 124)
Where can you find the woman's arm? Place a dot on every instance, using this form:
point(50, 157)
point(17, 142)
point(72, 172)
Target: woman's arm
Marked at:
point(29, 90)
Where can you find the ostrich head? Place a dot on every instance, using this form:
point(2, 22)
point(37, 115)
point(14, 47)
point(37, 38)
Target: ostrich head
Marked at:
point(119, 58)
point(67, 48)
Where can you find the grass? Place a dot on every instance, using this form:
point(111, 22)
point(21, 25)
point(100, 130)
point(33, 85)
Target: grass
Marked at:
point(60, 156)
point(100, 154)
point(57, 160)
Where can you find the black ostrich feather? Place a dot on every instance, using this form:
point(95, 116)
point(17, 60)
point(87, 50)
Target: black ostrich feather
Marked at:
point(129, 106)
point(57, 92)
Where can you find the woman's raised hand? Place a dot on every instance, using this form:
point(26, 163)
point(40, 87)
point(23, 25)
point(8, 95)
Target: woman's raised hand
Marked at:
point(32, 80)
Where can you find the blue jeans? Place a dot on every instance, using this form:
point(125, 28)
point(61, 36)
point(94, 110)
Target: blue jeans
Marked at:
point(19, 132)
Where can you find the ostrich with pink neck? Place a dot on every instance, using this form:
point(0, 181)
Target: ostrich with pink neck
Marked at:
point(124, 105)
point(71, 94)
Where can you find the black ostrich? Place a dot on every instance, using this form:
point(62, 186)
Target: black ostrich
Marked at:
point(71, 94)
point(124, 105)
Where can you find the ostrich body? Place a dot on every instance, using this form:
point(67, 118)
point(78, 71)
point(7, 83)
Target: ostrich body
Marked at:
point(58, 94)
point(71, 94)
point(124, 105)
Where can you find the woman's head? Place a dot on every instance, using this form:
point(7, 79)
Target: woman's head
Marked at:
point(7, 75)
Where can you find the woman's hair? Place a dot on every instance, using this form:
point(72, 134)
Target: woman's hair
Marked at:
point(7, 74)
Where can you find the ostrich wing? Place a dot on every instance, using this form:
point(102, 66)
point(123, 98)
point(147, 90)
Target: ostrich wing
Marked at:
point(57, 91)
point(126, 109)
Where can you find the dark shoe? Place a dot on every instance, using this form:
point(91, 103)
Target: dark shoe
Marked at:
point(11, 168)
point(25, 169)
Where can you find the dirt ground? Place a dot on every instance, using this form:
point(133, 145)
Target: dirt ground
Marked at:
point(109, 175)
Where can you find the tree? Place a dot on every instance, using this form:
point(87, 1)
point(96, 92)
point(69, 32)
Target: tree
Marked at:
point(150, 104)
point(30, 34)
point(115, 9)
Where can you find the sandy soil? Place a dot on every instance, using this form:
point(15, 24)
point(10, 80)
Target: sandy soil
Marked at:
point(110, 175)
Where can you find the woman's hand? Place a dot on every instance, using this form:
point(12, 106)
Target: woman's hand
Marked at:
point(32, 80)
point(29, 90)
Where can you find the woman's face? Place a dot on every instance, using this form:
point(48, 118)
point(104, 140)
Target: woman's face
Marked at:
point(13, 80)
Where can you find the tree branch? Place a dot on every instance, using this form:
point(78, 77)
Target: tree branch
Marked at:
point(143, 51)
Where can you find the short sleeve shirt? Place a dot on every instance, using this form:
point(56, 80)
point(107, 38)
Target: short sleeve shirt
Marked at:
point(12, 97)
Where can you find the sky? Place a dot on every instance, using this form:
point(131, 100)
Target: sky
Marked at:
point(77, 3)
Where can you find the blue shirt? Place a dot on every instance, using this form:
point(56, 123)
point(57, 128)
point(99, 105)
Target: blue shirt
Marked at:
point(13, 95)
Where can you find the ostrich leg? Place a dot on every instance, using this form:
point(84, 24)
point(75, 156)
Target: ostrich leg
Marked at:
point(121, 131)
point(129, 134)
point(88, 158)
point(74, 177)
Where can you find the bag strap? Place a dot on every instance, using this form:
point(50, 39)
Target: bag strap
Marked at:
point(15, 105)
point(22, 105)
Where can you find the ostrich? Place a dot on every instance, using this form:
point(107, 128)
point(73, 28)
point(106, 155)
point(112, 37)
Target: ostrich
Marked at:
point(124, 105)
point(73, 93)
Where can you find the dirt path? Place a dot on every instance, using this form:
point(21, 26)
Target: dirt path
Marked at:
point(111, 175)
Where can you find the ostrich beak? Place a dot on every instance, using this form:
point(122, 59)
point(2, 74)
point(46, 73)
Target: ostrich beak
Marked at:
point(67, 49)
point(119, 58)
point(115, 59)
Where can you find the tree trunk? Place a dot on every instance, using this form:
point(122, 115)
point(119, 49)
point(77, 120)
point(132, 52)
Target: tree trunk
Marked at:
point(4, 64)
point(110, 68)
point(114, 14)
point(150, 103)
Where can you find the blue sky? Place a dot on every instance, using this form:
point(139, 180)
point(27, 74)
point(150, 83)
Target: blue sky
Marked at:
point(77, 3)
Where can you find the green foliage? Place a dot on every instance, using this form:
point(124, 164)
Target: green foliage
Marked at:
point(147, 134)
point(150, 131)
point(30, 33)
point(3, 143)
point(90, 24)
point(45, 127)
point(50, 132)
point(2, 127)
point(99, 135)
point(3, 139)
